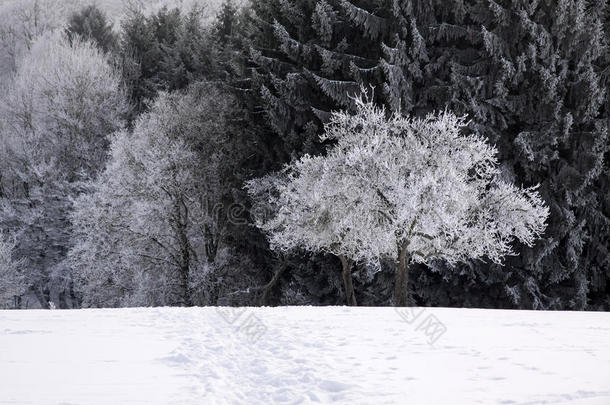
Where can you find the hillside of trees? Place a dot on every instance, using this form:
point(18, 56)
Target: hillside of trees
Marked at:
point(306, 152)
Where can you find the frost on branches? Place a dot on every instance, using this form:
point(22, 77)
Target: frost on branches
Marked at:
point(11, 280)
point(55, 116)
point(151, 227)
point(404, 189)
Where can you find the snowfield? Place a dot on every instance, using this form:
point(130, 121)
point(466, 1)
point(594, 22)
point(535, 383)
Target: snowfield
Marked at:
point(304, 355)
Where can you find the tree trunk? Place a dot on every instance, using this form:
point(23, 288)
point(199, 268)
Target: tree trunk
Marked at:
point(276, 277)
point(350, 297)
point(43, 296)
point(211, 244)
point(63, 303)
point(401, 295)
point(184, 281)
point(181, 219)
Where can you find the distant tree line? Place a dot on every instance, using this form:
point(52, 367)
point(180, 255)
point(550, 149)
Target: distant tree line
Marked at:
point(312, 152)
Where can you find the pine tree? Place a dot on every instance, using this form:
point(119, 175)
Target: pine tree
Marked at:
point(90, 23)
point(165, 51)
point(226, 22)
point(530, 76)
point(309, 59)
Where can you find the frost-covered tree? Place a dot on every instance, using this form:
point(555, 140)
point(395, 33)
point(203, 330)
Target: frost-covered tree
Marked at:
point(59, 109)
point(22, 23)
point(410, 190)
point(136, 233)
point(155, 220)
point(11, 280)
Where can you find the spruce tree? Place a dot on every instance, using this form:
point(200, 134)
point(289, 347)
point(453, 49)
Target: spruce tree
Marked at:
point(165, 51)
point(307, 60)
point(530, 77)
point(91, 23)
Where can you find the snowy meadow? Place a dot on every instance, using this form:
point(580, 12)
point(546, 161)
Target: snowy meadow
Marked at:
point(304, 355)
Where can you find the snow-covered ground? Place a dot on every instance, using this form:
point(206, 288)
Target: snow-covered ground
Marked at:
point(304, 355)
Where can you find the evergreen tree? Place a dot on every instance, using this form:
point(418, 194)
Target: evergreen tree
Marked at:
point(90, 23)
point(307, 59)
point(532, 77)
point(164, 52)
point(531, 84)
point(226, 23)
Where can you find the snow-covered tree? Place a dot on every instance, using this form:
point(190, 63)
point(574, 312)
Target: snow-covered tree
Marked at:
point(137, 231)
point(22, 23)
point(61, 105)
point(11, 280)
point(410, 190)
point(57, 114)
point(157, 215)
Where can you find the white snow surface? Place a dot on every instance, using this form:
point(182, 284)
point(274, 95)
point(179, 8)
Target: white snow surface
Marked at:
point(304, 355)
